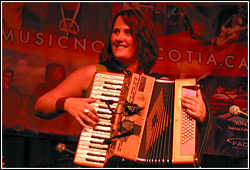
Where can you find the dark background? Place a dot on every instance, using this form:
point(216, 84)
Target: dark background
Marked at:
point(35, 152)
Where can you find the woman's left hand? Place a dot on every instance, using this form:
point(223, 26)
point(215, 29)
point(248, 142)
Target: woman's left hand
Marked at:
point(195, 106)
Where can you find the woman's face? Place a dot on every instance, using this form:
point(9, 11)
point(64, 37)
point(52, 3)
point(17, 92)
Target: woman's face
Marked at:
point(122, 42)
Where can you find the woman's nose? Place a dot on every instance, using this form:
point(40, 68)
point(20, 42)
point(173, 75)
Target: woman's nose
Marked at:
point(120, 37)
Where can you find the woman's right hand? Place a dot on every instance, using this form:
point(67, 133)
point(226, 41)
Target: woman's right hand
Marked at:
point(76, 108)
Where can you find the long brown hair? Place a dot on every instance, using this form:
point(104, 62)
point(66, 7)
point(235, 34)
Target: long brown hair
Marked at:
point(142, 31)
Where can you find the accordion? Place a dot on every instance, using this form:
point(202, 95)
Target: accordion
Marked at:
point(141, 120)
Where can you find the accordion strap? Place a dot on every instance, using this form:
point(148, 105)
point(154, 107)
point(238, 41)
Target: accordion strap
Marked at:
point(205, 131)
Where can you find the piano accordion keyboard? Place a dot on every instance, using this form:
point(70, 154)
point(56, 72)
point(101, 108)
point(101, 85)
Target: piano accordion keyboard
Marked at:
point(91, 151)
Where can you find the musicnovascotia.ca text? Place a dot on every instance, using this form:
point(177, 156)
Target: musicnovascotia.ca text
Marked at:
point(174, 55)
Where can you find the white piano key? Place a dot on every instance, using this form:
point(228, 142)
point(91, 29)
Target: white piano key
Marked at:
point(102, 128)
point(101, 89)
point(102, 136)
point(104, 116)
point(98, 146)
point(105, 111)
point(92, 158)
point(99, 96)
point(105, 124)
point(94, 153)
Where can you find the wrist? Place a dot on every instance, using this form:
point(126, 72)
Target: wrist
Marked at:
point(60, 104)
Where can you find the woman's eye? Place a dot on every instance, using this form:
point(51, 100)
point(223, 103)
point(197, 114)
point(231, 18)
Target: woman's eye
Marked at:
point(128, 31)
point(116, 31)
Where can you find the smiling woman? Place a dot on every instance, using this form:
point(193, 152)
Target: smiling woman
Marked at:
point(135, 30)
point(123, 45)
point(132, 48)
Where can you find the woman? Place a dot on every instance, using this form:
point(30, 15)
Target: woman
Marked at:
point(133, 47)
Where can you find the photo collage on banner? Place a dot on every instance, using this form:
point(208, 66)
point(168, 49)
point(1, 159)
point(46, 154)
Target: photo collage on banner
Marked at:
point(44, 42)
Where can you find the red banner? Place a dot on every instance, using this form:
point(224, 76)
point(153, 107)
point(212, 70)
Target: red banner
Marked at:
point(206, 40)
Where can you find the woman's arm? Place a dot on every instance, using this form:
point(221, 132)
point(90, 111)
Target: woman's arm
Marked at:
point(72, 87)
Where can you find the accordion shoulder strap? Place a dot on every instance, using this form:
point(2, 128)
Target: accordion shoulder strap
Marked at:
point(101, 68)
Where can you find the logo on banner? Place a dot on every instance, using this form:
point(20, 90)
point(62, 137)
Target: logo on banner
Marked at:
point(238, 143)
point(69, 25)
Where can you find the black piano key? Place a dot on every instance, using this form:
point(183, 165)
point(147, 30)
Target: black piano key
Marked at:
point(99, 136)
point(112, 82)
point(101, 147)
point(107, 111)
point(94, 160)
point(102, 130)
point(96, 154)
point(103, 106)
point(104, 124)
point(111, 88)
point(96, 142)
point(110, 95)
point(106, 100)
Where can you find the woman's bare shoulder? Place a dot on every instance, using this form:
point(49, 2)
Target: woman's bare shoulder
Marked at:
point(89, 68)
point(80, 79)
point(85, 71)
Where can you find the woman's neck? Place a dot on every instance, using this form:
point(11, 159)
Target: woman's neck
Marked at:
point(119, 66)
point(134, 67)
